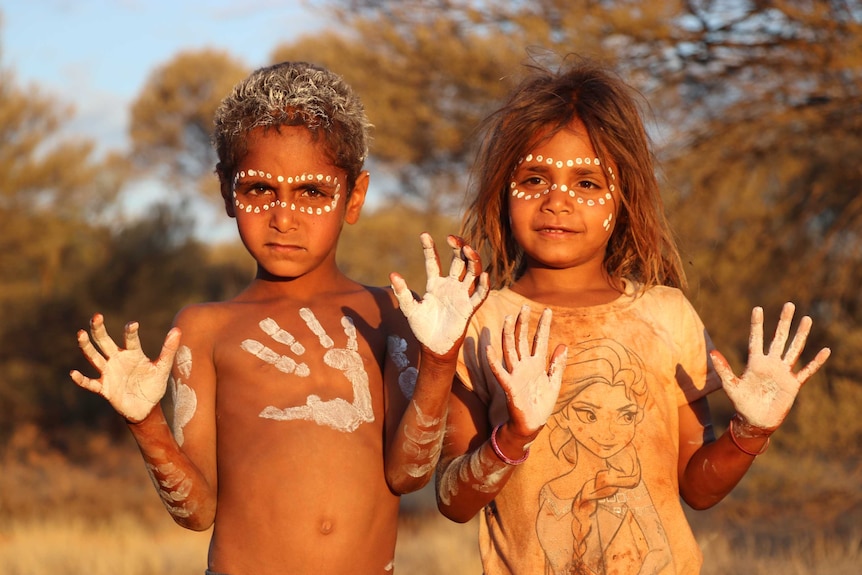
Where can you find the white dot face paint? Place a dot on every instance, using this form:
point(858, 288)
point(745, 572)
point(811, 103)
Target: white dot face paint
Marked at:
point(535, 177)
point(257, 191)
point(339, 414)
point(184, 399)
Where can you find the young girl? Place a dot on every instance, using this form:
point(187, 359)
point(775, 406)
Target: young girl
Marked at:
point(579, 461)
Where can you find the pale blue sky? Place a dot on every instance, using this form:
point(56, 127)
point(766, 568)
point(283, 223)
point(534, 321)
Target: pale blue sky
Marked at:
point(97, 55)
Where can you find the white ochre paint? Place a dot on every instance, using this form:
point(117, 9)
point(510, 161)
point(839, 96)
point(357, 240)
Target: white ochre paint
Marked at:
point(173, 487)
point(408, 374)
point(185, 401)
point(423, 443)
point(281, 362)
point(263, 205)
point(339, 413)
point(484, 473)
point(438, 321)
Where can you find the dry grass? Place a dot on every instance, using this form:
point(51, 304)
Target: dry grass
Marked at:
point(100, 516)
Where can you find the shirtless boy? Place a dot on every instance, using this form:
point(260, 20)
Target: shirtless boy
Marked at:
point(300, 413)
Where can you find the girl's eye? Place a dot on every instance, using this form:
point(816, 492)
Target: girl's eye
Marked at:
point(534, 181)
point(587, 186)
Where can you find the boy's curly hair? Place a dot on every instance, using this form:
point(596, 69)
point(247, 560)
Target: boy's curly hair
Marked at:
point(293, 94)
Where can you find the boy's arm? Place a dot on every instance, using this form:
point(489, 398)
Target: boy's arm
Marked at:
point(439, 322)
point(135, 386)
point(762, 397)
point(476, 463)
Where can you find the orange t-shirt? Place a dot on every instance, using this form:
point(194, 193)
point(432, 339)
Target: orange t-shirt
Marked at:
point(599, 492)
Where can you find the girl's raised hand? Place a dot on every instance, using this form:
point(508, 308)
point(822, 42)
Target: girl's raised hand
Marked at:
point(439, 320)
point(768, 387)
point(128, 379)
point(530, 385)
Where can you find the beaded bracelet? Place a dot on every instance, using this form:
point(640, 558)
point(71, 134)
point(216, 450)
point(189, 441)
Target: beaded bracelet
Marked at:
point(501, 455)
point(740, 447)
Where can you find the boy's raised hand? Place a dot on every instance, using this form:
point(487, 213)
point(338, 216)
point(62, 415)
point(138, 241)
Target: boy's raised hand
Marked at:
point(531, 386)
point(128, 379)
point(768, 387)
point(439, 320)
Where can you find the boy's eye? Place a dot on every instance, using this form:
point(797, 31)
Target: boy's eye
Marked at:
point(259, 190)
point(314, 193)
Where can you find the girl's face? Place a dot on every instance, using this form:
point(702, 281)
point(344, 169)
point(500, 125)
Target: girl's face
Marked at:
point(563, 202)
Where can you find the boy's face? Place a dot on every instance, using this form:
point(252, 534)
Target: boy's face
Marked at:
point(290, 201)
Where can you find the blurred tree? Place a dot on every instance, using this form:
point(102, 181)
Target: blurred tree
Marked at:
point(172, 118)
point(52, 191)
point(386, 240)
point(425, 84)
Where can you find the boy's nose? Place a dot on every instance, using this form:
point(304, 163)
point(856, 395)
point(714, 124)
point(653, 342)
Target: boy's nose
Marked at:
point(282, 216)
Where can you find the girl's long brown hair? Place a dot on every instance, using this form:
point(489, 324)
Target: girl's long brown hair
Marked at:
point(641, 247)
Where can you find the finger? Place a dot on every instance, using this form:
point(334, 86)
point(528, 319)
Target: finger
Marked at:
point(100, 336)
point(85, 382)
point(543, 333)
point(169, 349)
point(521, 329)
point(456, 268)
point(798, 342)
point(92, 354)
point(782, 330)
point(499, 370)
point(813, 366)
point(482, 291)
point(405, 298)
point(510, 353)
point(755, 337)
point(133, 341)
point(473, 259)
point(722, 368)
point(432, 262)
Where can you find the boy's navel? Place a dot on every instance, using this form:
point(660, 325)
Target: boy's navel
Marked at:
point(326, 527)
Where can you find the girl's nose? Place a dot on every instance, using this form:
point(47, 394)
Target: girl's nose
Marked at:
point(558, 199)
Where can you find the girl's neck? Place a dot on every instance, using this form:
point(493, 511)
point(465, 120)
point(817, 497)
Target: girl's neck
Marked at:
point(568, 288)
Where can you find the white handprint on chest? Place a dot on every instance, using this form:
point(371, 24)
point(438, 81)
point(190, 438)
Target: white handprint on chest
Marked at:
point(339, 413)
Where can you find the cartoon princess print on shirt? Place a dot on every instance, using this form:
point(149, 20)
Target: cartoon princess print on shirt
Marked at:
point(599, 518)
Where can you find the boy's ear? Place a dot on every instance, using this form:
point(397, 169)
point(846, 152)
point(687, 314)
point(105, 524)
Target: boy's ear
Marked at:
point(226, 192)
point(357, 198)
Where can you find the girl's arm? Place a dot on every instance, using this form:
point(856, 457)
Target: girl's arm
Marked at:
point(762, 397)
point(477, 461)
point(438, 322)
point(135, 386)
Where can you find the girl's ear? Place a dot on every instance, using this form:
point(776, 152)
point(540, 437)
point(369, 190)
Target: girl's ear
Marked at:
point(226, 192)
point(357, 198)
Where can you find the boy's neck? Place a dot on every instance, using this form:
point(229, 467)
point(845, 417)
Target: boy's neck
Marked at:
point(307, 287)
